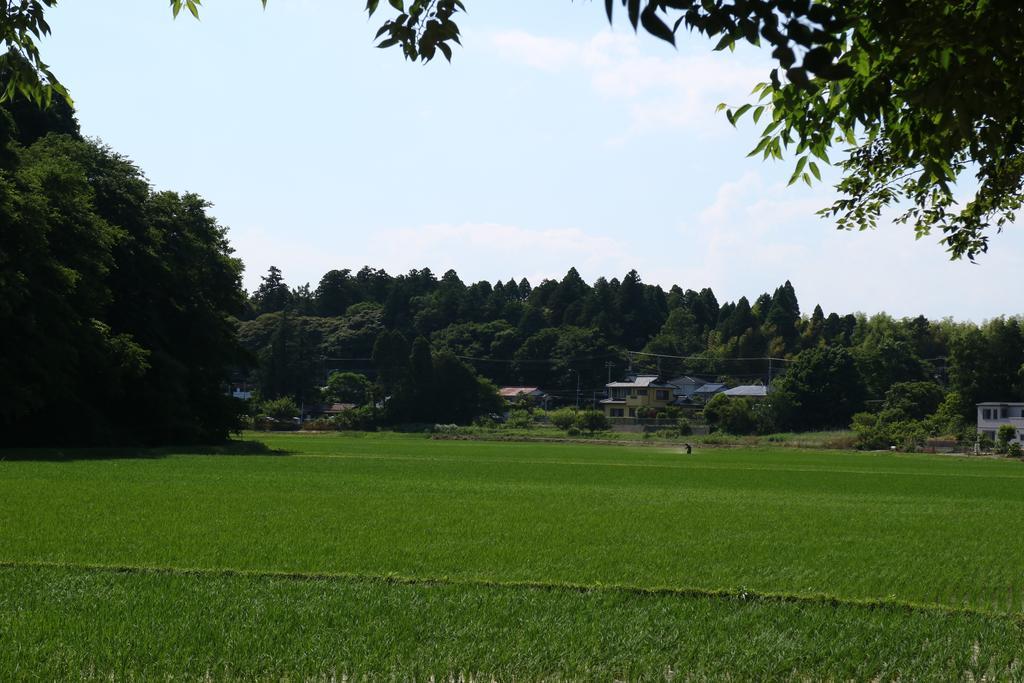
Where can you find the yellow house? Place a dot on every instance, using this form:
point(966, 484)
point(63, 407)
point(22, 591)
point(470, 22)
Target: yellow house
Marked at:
point(637, 395)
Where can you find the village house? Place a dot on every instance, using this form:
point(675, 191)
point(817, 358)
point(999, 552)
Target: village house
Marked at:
point(637, 394)
point(684, 388)
point(516, 396)
point(994, 414)
point(747, 391)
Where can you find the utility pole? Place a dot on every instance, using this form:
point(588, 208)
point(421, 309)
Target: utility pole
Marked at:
point(609, 365)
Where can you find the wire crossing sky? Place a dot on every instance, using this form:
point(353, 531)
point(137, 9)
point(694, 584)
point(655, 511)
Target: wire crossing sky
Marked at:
point(551, 141)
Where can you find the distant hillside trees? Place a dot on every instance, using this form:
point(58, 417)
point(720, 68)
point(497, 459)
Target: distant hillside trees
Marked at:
point(563, 333)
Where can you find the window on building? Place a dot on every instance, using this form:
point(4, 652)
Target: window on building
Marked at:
point(1004, 412)
point(616, 412)
point(632, 412)
point(641, 392)
point(661, 394)
point(986, 414)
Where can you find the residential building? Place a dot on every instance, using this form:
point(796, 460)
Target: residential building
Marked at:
point(530, 395)
point(637, 395)
point(748, 391)
point(706, 391)
point(992, 415)
point(685, 386)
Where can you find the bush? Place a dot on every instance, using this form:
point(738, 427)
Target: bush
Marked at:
point(1004, 436)
point(364, 419)
point(446, 429)
point(881, 431)
point(563, 418)
point(1014, 450)
point(573, 431)
point(983, 442)
point(283, 408)
point(592, 421)
point(684, 427)
point(520, 419)
point(731, 415)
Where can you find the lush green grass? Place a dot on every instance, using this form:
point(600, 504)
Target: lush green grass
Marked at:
point(466, 521)
point(60, 624)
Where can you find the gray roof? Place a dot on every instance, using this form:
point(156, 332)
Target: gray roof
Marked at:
point(688, 379)
point(1000, 403)
point(639, 382)
point(755, 390)
point(710, 388)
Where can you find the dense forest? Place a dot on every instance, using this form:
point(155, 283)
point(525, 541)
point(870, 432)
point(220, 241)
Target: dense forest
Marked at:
point(117, 301)
point(567, 334)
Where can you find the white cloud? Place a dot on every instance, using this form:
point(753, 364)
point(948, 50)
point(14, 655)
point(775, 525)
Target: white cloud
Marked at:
point(660, 92)
point(754, 235)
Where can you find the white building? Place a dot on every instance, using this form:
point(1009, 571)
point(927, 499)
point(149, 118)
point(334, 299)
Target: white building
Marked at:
point(993, 414)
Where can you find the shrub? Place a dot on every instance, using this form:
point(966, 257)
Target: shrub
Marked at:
point(520, 419)
point(984, 443)
point(881, 432)
point(446, 429)
point(283, 408)
point(684, 427)
point(1004, 436)
point(731, 415)
point(573, 431)
point(1014, 450)
point(364, 419)
point(592, 421)
point(563, 418)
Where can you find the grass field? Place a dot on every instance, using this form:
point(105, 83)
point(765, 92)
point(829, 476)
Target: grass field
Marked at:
point(401, 556)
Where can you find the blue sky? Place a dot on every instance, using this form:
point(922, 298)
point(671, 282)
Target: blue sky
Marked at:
point(551, 141)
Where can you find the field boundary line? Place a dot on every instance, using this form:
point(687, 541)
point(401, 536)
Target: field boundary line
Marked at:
point(733, 594)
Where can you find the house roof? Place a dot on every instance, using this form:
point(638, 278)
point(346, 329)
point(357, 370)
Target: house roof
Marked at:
point(688, 379)
point(508, 392)
point(338, 407)
point(640, 382)
point(1000, 403)
point(612, 400)
point(756, 390)
point(710, 388)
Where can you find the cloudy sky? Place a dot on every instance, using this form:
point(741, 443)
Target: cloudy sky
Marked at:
point(551, 141)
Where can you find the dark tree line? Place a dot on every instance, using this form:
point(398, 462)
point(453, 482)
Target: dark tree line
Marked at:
point(116, 300)
point(560, 334)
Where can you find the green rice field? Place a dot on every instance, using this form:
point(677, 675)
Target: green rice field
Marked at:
point(385, 556)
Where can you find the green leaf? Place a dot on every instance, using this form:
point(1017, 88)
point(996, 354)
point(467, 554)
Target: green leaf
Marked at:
point(800, 163)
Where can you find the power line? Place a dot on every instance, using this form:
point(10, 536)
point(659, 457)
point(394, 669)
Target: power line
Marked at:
point(707, 358)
